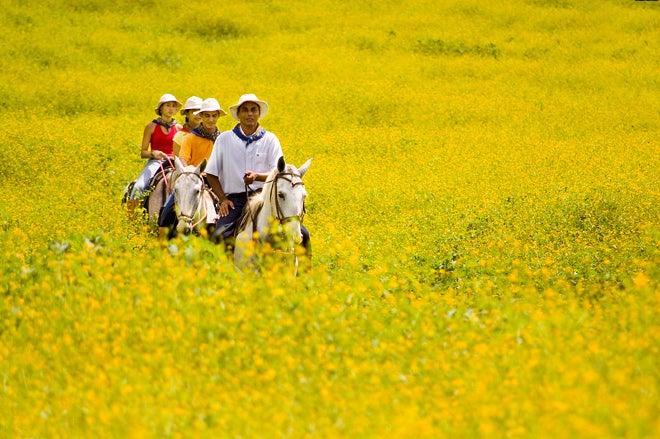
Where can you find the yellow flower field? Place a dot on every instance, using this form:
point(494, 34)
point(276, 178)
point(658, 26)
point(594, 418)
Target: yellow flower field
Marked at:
point(483, 205)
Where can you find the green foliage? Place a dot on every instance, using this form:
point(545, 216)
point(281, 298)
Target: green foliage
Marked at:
point(456, 48)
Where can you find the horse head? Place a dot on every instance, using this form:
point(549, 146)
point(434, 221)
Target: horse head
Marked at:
point(188, 189)
point(287, 198)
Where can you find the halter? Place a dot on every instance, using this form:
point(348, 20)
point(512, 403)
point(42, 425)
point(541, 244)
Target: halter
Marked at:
point(189, 219)
point(278, 210)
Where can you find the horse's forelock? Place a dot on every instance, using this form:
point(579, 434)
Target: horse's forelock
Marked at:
point(176, 174)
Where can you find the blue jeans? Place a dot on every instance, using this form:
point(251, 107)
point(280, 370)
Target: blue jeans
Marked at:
point(143, 181)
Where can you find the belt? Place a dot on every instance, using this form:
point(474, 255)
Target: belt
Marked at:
point(242, 194)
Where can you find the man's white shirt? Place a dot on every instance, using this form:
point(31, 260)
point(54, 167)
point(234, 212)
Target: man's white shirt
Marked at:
point(231, 159)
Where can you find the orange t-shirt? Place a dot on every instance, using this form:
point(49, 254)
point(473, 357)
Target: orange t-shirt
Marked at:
point(194, 149)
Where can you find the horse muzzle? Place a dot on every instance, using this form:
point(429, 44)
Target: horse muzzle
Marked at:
point(292, 229)
point(185, 224)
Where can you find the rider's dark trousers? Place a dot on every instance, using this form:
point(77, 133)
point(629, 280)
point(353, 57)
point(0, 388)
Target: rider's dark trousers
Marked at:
point(226, 225)
point(167, 215)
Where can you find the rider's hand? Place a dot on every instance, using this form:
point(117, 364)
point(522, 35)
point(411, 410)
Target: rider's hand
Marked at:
point(225, 205)
point(159, 155)
point(250, 177)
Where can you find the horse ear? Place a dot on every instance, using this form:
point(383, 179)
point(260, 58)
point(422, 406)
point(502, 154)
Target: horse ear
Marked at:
point(201, 167)
point(178, 165)
point(280, 164)
point(304, 167)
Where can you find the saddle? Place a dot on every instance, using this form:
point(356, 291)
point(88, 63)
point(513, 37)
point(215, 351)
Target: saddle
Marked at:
point(159, 176)
point(166, 173)
point(152, 184)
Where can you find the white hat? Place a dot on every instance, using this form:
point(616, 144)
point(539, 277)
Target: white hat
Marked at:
point(210, 104)
point(250, 97)
point(166, 98)
point(192, 103)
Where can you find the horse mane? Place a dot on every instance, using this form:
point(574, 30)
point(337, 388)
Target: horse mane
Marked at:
point(174, 174)
point(255, 203)
point(252, 208)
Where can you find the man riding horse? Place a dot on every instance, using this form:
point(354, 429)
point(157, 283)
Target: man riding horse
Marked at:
point(239, 165)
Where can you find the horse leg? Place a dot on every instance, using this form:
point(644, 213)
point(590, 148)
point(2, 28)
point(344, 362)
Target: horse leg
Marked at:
point(156, 200)
point(304, 252)
point(241, 250)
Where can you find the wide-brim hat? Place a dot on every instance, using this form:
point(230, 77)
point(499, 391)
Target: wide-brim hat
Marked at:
point(167, 97)
point(250, 97)
point(210, 104)
point(192, 103)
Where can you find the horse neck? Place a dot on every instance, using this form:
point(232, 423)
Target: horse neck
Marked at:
point(263, 218)
point(267, 210)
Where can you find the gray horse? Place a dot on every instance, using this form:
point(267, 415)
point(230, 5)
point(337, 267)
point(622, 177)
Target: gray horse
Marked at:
point(275, 214)
point(193, 203)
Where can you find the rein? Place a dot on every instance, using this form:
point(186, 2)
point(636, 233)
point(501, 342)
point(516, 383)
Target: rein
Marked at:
point(164, 176)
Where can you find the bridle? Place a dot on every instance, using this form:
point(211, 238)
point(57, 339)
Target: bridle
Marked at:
point(273, 192)
point(189, 218)
point(164, 173)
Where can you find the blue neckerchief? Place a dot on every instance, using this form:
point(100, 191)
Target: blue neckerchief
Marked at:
point(201, 132)
point(248, 139)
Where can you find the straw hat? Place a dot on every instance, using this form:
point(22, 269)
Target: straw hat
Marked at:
point(192, 103)
point(250, 97)
point(166, 98)
point(210, 104)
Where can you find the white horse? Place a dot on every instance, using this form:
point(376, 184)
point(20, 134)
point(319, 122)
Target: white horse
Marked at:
point(193, 203)
point(274, 215)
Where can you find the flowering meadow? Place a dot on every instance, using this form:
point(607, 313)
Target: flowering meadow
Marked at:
point(483, 205)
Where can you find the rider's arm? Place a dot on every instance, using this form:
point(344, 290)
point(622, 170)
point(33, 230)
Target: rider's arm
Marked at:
point(185, 153)
point(145, 153)
point(176, 142)
point(216, 187)
point(252, 176)
point(213, 168)
point(273, 156)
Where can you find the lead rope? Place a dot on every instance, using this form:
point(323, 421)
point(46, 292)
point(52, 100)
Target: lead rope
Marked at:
point(162, 171)
point(248, 188)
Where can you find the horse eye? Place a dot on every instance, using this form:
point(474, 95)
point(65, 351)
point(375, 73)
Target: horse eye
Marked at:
point(281, 195)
